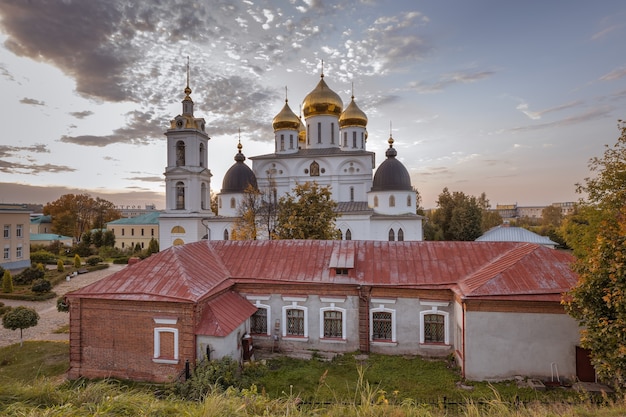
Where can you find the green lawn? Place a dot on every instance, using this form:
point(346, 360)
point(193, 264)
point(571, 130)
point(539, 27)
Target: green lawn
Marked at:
point(33, 360)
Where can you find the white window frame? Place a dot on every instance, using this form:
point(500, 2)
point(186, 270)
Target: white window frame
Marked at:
point(382, 303)
point(268, 311)
point(157, 340)
point(7, 231)
point(19, 253)
point(333, 307)
point(435, 305)
point(19, 228)
point(294, 306)
point(7, 252)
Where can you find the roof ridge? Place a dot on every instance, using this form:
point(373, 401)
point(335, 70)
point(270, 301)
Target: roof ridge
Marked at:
point(495, 267)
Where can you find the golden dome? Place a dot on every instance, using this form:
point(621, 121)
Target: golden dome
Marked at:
point(286, 119)
point(322, 100)
point(353, 116)
point(301, 132)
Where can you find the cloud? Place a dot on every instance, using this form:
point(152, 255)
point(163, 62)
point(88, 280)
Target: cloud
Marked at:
point(81, 114)
point(8, 151)
point(606, 31)
point(536, 115)
point(593, 114)
point(450, 79)
point(616, 74)
point(32, 101)
point(146, 179)
point(32, 169)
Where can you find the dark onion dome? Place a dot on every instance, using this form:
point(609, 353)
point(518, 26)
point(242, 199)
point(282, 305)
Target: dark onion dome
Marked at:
point(391, 175)
point(286, 119)
point(353, 116)
point(238, 176)
point(322, 100)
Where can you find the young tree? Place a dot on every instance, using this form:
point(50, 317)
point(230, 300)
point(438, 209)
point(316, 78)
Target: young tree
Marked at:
point(60, 266)
point(459, 216)
point(551, 216)
point(308, 213)
point(245, 226)
point(598, 301)
point(153, 246)
point(490, 218)
point(108, 239)
point(7, 282)
point(77, 261)
point(20, 318)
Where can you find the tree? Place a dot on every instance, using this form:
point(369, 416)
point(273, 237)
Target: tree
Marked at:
point(20, 318)
point(551, 216)
point(245, 226)
point(458, 215)
point(153, 246)
point(598, 301)
point(73, 215)
point(490, 218)
point(108, 239)
point(7, 282)
point(308, 212)
point(60, 266)
point(77, 261)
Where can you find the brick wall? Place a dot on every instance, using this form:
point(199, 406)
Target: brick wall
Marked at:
point(113, 338)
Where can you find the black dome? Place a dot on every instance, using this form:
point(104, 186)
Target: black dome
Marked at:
point(238, 176)
point(391, 175)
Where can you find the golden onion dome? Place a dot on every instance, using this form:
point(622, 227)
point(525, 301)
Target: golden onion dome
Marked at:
point(353, 116)
point(322, 100)
point(301, 132)
point(286, 119)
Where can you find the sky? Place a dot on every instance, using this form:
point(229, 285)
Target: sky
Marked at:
point(507, 98)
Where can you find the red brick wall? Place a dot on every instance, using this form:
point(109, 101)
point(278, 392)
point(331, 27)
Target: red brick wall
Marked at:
point(113, 338)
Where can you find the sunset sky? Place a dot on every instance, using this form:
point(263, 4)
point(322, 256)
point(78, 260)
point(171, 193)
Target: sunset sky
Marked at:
point(509, 98)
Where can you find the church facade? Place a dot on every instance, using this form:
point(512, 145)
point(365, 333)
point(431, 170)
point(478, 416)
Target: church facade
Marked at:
point(328, 147)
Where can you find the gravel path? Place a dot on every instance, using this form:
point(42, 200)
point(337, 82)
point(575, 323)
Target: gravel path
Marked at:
point(49, 318)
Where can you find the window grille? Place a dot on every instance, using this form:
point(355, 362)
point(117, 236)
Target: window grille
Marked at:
point(333, 324)
point(381, 325)
point(258, 322)
point(434, 328)
point(295, 322)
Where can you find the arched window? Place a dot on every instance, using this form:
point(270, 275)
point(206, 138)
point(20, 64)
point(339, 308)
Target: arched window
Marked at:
point(345, 139)
point(392, 201)
point(319, 132)
point(348, 235)
point(180, 153)
point(408, 201)
point(354, 139)
point(201, 154)
point(375, 201)
point(351, 193)
point(178, 242)
point(203, 196)
point(332, 133)
point(226, 234)
point(180, 195)
point(178, 229)
point(282, 142)
point(362, 140)
point(219, 202)
point(233, 202)
point(400, 235)
point(290, 141)
point(392, 235)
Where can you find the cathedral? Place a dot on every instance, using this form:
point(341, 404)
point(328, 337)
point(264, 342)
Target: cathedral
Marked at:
point(329, 147)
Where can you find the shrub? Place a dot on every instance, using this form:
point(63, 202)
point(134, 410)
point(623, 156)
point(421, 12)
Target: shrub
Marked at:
point(60, 266)
point(28, 275)
point(4, 309)
point(62, 305)
point(93, 260)
point(7, 282)
point(41, 285)
point(77, 261)
point(207, 375)
point(121, 261)
point(43, 256)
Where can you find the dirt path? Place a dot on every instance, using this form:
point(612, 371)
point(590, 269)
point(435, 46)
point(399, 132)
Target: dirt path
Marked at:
point(49, 318)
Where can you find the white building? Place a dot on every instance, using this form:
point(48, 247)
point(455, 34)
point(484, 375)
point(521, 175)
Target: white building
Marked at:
point(329, 147)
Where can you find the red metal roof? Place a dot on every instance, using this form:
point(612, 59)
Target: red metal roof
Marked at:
point(474, 269)
point(223, 314)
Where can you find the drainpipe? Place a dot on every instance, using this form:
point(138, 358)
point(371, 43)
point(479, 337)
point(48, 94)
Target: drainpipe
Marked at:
point(463, 337)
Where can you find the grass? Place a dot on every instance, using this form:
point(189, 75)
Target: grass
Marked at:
point(65, 329)
point(31, 384)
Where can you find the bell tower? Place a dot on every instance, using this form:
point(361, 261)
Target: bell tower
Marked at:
point(187, 178)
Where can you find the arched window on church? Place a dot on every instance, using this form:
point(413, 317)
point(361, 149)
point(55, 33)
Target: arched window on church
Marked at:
point(180, 153)
point(375, 201)
point(203, 196)
point(345, 139)
point(282, 142)
point(348, 235)
point(408, 201)
point(392, 201)
point(180, 195)
point(225, 234)
point(354, 139)
point(351, 193)
point(400, 235)
point(362, 140)
point(201, 151)
point(392, 235)
point(233, 202)
point(332, 133)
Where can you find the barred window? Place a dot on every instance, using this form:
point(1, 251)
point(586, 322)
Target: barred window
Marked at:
point(381, 325)
point(258, 322)
point(295, 322)
point(434, 328)
point(333, 324)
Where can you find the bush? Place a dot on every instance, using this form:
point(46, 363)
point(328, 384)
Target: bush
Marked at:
point(28, 275)
point(121, 261)
point(77, 261)
point(93, 260)
point(41, 285)
point(60, 266)
point(208, 374)
point(4, 309)
point(7, 282)
point(62, 305)
point(43, 256)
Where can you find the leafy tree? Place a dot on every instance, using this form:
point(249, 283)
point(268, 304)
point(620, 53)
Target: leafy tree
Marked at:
point(7, 282)
point(20, 318)
point(108, 239)
point(458, 215)
point(96, 238)
point(73, 215)
point(308, 212)
point(153, 246)
point(213, 202)
point(598, 301)
point(490, 218)
point(245, 226)
point(551, 216)
point(28, 275)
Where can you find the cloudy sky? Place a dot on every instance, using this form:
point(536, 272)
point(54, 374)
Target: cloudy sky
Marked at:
point(509, 98)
